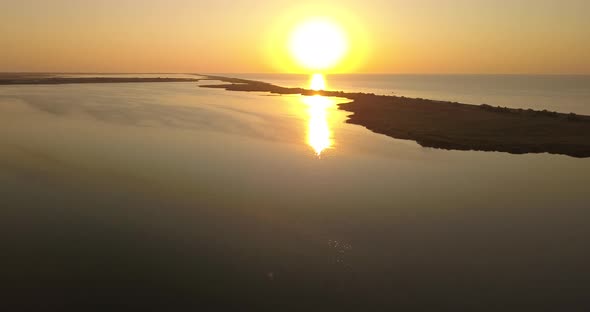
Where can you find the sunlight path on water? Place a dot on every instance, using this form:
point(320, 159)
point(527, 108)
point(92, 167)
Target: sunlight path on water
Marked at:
point(319, 135)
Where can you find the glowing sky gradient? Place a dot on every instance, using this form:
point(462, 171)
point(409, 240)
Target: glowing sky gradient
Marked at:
point(223, 36)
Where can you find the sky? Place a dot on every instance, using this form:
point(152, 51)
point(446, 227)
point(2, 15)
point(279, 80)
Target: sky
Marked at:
point(249, 36)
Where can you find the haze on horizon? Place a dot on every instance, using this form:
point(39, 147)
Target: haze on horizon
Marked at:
point(386, 36)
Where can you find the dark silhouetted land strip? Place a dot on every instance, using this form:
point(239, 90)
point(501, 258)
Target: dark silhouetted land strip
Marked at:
point(451, 125)
point(45, 79)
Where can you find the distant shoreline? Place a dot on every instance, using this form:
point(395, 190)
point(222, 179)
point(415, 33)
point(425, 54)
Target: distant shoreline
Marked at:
point(436, 124)
point(449, 125)
point(53, 79)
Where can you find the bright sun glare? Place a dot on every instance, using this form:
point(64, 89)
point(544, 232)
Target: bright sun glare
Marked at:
point(317, 82)
point(318, 44)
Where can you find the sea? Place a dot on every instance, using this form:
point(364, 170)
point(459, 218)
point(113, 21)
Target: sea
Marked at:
point(561, 93)
point(169, 196)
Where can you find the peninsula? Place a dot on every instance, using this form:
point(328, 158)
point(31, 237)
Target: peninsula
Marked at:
point(436, 124)
point(449, 125)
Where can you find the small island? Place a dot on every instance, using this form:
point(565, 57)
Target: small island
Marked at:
point(450, 125)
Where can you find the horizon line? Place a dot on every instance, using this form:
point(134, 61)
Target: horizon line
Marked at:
point(292, 73)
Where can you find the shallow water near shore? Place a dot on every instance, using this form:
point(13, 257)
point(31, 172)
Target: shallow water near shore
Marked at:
point(174, 191)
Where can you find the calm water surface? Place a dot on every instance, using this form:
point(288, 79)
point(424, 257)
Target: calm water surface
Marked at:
point(147, 194)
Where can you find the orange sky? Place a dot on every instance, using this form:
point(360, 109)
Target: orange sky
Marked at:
point(223, 36)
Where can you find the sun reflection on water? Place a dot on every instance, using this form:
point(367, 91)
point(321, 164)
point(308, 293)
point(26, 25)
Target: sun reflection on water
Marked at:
point(319, 134)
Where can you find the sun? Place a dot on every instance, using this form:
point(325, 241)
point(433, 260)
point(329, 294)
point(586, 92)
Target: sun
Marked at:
point(318, 44)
